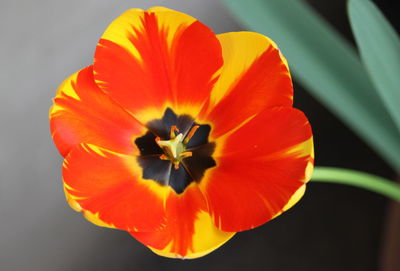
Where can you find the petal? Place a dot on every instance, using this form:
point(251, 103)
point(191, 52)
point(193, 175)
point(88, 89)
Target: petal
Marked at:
point(83, 113)
point(157, 58)
point(260, 166)
point(255, 76)
point(108, 185)
point(94, 218)
point(189, 232)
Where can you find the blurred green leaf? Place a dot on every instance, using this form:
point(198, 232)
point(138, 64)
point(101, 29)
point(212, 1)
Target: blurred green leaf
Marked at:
point(326, 65)
point(379, 47)
point(359, 179)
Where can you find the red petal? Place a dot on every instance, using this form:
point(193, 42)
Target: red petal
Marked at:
point(259, 168)
point(255, 76)
point(83, 113)
point(157, 58)
point(108, 185)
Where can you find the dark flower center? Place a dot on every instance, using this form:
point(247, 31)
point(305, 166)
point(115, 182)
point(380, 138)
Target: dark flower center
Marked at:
point(175, 151)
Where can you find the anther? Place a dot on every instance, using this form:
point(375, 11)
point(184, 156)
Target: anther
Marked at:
point(164, 157)
point(190, 134)
point(172, 131)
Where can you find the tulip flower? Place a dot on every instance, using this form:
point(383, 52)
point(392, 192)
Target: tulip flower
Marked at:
point(179, 136)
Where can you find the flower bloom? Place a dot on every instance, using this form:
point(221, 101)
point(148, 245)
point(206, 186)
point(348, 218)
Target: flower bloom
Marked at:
point(179, 136)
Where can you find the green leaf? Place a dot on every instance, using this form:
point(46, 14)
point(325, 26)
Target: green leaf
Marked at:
point(326, 65)
point(379, 47)
point(359, 179)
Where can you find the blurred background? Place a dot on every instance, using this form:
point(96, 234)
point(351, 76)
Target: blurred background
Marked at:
point(42, 42)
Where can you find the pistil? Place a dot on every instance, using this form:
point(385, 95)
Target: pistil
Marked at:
point(175, 148)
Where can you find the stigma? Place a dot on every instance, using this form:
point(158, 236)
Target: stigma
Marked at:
point(175, 148)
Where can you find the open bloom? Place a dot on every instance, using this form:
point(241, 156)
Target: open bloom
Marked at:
point(179, 136)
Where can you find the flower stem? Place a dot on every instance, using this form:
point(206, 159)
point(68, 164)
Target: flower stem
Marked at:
point(359, 179)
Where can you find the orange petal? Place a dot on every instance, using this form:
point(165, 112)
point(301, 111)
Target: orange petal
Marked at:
point(189, 232)
point(255, 76)
point(83, 113)
point(157, 58)
point(260, 166)
point(109, 185)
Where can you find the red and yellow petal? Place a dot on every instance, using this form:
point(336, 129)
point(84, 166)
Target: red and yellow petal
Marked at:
point(260, 166)
point(254, 76)
point(189, 232)
point(83, 113)
point(157, 58)
point(109, 185)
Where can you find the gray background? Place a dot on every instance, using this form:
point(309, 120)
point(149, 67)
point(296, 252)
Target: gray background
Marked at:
point(43, 42)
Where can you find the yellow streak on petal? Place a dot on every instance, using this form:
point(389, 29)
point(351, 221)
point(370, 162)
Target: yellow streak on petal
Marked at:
point(54, 109)
point(206, 239)
point(97, 150)
point(165, 252)
point(309, 171)
point(123, 27)
point(67, 87)
point(171, 21)
point(72, 203)
point(302, 149)
point(207, 236)
point(239, 51)
point(295, 198)
point(95, 219)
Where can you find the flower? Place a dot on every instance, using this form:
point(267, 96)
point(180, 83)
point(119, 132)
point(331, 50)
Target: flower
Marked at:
point(179, 136)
